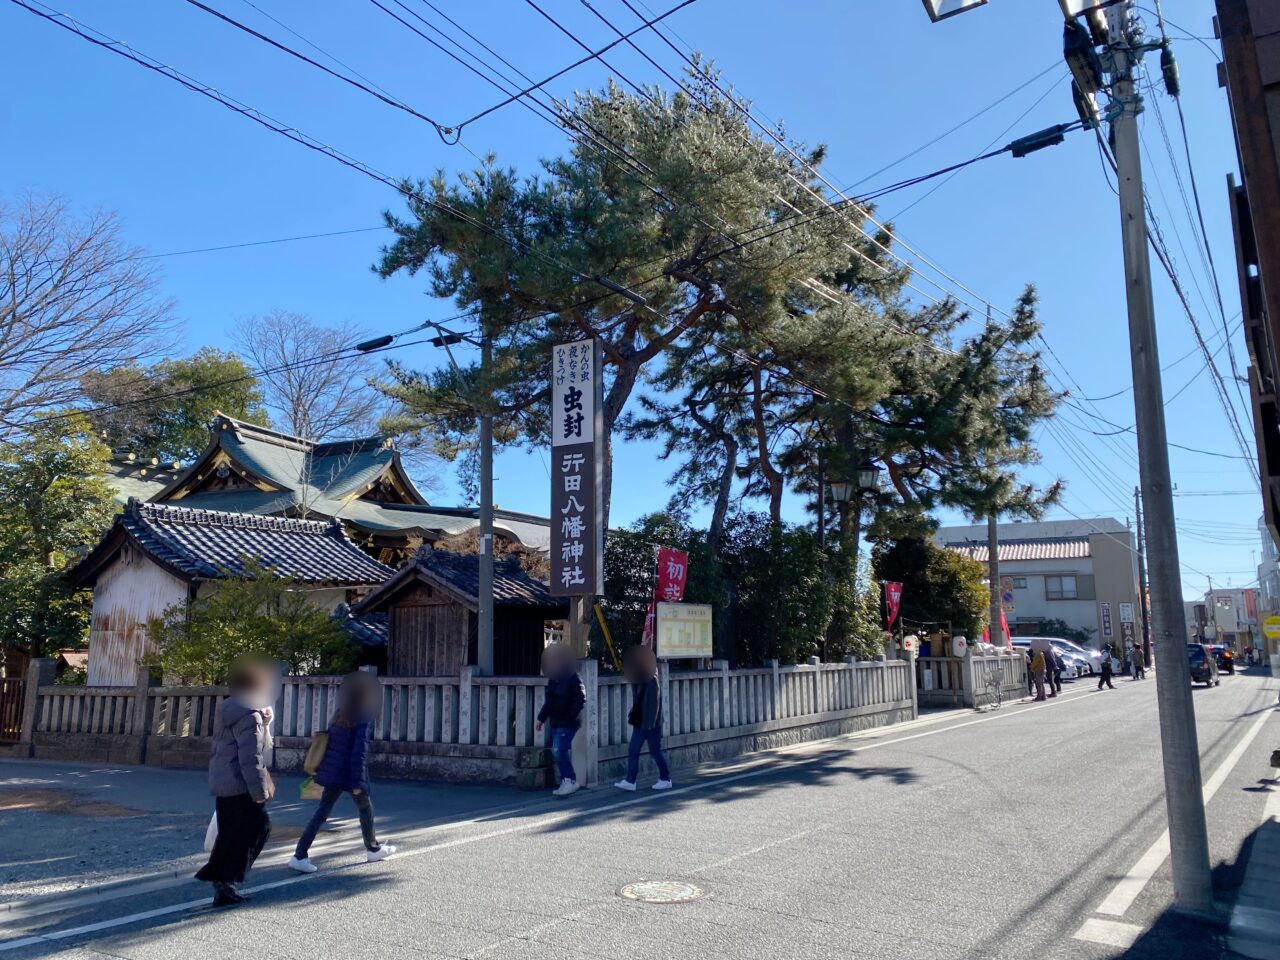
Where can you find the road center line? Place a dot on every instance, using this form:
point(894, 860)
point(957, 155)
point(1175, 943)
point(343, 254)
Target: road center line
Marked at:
point(1122, 895)
point(761, 768)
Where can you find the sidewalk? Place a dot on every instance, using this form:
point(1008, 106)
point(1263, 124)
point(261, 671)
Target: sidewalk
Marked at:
point(1255, 918)
point(70, 826)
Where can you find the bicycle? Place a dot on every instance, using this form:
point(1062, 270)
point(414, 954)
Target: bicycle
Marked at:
point(995, 690)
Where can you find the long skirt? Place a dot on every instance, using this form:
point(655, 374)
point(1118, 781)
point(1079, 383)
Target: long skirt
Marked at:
point(243, 829)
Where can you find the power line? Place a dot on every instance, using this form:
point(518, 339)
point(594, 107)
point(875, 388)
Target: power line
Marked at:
point(390, 101)
point(256, 243)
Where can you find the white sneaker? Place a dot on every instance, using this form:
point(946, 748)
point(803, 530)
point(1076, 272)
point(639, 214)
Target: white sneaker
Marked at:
point(302, 866)
point(626, 785)
point(662, 785)
point(381, 853)
point(566, 788)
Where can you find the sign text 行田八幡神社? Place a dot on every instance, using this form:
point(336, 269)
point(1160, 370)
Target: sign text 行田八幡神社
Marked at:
point(577, 536)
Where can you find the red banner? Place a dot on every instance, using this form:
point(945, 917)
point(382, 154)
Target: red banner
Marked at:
point(892, 600)
point(673, 572)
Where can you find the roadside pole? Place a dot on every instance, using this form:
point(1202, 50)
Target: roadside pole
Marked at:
point(1188, 837)
point(993, 574)
point(484, 613)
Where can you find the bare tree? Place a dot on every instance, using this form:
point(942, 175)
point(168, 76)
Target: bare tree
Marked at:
point(313, 387)
point(73, 300)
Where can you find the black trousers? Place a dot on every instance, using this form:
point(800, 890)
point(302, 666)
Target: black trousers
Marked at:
point(1105, 678)
point(243, 829)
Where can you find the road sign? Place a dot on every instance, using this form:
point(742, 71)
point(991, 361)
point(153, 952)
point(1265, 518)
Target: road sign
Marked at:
point(1271, 627)
point(1126, 612)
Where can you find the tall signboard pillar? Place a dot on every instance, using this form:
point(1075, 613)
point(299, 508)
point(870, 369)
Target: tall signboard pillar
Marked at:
point(577, 481)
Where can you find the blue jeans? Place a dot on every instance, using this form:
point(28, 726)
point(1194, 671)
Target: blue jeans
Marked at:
point(639, 738)
point(331, 795)
point(562, 747)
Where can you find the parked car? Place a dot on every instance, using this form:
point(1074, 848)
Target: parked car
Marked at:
point(1225, 657)
point(1092, 659)
point(1073, 665)
point(1204, 665)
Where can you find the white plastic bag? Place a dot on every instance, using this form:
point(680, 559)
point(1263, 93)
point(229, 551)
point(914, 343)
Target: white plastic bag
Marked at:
point(211, 833)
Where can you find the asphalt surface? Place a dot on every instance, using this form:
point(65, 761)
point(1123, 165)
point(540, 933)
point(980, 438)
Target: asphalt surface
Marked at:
point(986, 836)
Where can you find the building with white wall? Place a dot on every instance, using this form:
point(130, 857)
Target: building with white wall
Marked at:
point(1082, 572)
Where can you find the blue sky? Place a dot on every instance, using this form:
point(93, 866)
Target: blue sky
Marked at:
point(874, 80)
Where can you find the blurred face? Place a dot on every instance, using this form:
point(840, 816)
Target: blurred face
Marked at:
point(641, 664)
point(557, 661)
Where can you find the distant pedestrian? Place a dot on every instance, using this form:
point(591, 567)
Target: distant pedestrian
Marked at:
point(1031, 677)
point(1038, 673)
point(1139, 664)
point(1055, 665)
point(345, 768)
point(645, 718)
point(566, 696)
point(238, 778)
point(1106, 665)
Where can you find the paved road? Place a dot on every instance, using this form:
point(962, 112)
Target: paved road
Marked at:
point(983, 836)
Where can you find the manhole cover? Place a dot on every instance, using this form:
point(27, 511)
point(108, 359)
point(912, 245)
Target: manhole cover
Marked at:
point(661, 891)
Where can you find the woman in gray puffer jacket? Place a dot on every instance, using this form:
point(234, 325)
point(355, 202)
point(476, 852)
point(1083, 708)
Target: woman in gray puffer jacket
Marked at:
point(238, 779)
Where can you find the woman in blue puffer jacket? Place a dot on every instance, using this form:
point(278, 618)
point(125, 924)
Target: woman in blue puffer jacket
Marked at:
point(345, 767)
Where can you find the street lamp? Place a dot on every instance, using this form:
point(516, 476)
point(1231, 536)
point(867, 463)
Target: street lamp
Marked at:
point(848, 494)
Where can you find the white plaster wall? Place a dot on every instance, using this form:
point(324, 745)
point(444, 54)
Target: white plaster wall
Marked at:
point(129, 593)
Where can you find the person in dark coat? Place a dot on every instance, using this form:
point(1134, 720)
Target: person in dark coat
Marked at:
point(1105, 676)
point(345, 768)
point(566, 696)
point(238, 778)
point(645, 718)
point(1055, 665)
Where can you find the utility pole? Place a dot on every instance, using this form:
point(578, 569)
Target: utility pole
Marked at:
point(993, 574)
point(1184, 801)
point(1142, 578)
point(484, 617)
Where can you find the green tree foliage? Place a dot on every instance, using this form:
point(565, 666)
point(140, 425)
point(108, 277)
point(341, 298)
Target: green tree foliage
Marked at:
point(162, 411)
point(685, 221)
point(937, 584)
point(261, 613)
point(775, 327)
point(50, 505)
point(770, 587)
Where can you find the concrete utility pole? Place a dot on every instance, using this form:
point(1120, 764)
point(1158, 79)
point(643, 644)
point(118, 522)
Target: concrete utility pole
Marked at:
point(1142, 579)
point(484, 614)
point(993, 574)
point(1188, 837)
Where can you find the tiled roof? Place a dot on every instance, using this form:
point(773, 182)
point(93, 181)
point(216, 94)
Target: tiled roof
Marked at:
point(371, 630)
point(205, 544)
point(1054, 548)
point(459, 573)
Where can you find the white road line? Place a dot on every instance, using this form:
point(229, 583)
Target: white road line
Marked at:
point(1112, 933)
point(1122, 895)
point(759, 770)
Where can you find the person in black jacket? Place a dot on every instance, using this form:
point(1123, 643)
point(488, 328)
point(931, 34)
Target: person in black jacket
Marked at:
point(345, 768)
point(566, 696)
point(645, 718)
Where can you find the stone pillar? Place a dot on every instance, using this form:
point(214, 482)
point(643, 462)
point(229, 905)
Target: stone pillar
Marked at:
point(142, 719)
point(40, 673)
point(586, 744)
point(726, 708)
point(970, 682)
point(910, 657)
point(464, 703)
point(664, 683)
point(775, 706)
